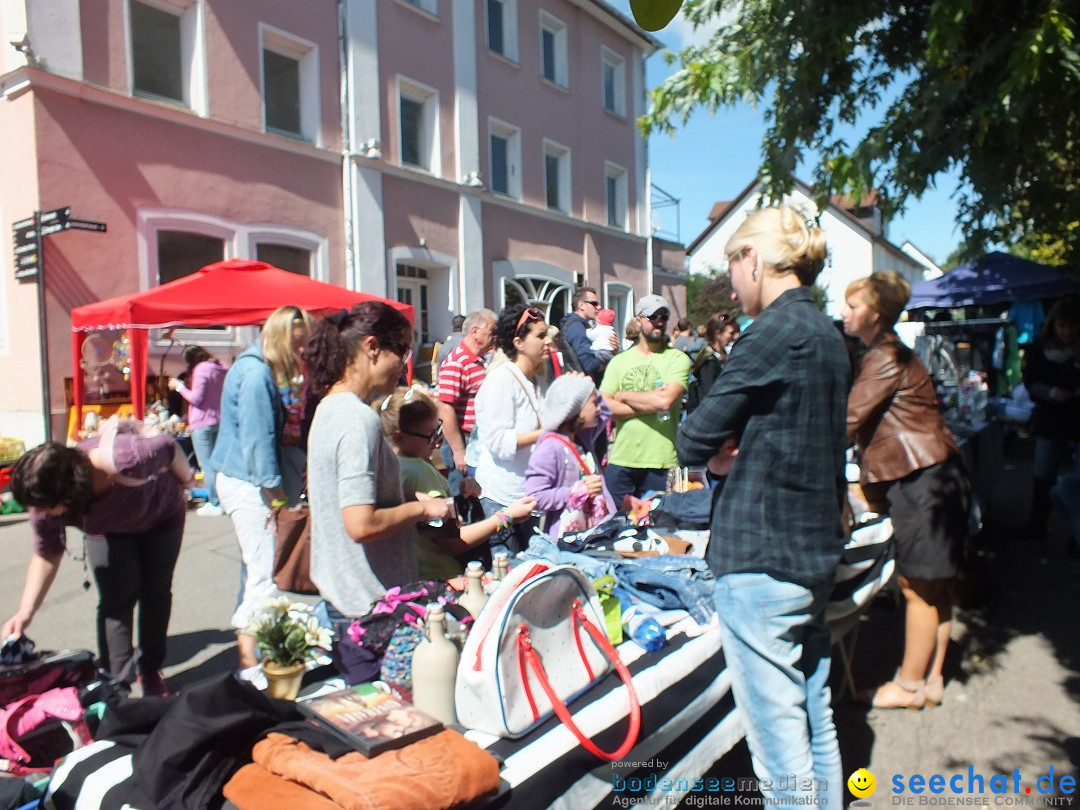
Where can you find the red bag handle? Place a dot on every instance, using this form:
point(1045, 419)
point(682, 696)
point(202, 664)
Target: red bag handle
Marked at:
point(530, 657)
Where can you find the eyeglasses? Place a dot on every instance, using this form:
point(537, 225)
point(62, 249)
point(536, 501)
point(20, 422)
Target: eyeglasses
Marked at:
point(432, 438)
point(592, 303)
point(530, 314)
point(402, 350)
point(659, 317)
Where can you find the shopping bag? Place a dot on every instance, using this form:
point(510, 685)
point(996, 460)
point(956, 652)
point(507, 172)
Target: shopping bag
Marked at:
point(292, 551)
point(40, 729)
point(538, 643)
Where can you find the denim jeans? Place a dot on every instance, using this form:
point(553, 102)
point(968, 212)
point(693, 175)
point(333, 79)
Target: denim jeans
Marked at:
point(636, 481)
point(1050, 454)
point(203, 440)
point(777, 650)
point(670, 582)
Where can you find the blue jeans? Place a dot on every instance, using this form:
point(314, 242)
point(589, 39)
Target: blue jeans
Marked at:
point(777, 649)
point(671, 582)
point(203, 440)
point(636, 481)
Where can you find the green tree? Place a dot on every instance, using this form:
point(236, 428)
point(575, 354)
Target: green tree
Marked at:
point(706, 294)
point(988, 87)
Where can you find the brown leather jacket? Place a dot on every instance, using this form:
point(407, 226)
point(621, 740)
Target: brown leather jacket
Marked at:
point(893, 414)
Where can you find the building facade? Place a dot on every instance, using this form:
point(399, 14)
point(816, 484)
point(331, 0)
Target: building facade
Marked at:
point(448, 153)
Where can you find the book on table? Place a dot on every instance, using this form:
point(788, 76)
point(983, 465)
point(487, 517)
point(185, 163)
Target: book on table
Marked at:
point(370, 719)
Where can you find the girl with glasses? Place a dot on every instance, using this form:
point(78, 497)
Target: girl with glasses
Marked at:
point(410, 422)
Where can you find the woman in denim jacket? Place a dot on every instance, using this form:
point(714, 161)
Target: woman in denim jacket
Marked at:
point(247, 457)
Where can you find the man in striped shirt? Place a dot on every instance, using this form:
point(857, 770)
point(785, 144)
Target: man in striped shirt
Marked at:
point(460, 376)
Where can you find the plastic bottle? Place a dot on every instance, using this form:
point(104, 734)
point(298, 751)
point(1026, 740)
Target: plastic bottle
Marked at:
point(474, 598)
point(648, 633)
point(437, 522)
point(434, 668)
point(665, 414)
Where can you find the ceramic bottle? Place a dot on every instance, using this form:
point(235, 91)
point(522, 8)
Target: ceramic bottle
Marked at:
point(434, 668)
point(474, 598)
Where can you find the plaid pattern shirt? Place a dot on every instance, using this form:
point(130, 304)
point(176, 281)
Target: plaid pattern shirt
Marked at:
point(783, 394)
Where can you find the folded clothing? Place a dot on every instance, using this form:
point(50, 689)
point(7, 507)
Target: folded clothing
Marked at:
point(255, 788)
point(441, 771)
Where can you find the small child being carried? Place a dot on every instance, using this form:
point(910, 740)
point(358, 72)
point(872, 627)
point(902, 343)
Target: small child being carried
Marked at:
point(602, 334)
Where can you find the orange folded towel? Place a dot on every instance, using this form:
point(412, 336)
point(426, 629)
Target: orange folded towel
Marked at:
point(441, 771)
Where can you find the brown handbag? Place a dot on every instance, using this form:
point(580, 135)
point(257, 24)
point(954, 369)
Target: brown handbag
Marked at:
point(292, 552)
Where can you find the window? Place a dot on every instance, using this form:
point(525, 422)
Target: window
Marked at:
point(287, 257)
point(505, 159)
point(181, 253)
point(290, 85)
point(553, 61)
point(557, 177)
point(412, 288)
point(427, 5)
point(615, 194)
point(165, 60)
point(502, 27)
point(613, 82)
point(418, 118)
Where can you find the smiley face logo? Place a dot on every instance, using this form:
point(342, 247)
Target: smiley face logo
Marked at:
point(862, 783)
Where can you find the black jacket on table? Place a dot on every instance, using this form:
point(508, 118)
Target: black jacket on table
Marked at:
point(783, 394)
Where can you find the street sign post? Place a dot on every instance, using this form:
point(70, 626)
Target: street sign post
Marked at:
point(28, 246)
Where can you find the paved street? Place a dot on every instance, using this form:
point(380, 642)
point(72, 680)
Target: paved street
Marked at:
point(1013, 695)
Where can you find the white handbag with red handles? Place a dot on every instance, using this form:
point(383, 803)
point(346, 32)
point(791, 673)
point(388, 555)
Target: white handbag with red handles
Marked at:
point(538, 643)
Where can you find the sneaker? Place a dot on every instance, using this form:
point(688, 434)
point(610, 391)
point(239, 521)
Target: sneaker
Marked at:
point(153, 685)
point(209, 510)
point(253, 675)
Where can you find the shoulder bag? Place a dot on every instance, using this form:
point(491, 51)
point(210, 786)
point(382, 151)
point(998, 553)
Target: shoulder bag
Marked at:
point(292, 550)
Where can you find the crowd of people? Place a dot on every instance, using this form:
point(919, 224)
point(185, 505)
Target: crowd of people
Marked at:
point(319, 407)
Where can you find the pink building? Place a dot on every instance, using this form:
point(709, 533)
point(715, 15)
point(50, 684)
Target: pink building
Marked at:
point(451, 153)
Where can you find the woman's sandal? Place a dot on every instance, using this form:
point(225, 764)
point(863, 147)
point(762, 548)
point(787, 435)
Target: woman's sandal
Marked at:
point(934, 690)
point(896, 694)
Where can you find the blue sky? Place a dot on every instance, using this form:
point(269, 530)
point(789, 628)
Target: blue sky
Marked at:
point(714, 157)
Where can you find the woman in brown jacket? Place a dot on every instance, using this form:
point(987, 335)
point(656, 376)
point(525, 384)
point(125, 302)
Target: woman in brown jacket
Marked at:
point(910, 468)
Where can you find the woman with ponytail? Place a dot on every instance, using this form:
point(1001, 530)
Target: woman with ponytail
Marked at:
point(360, 540)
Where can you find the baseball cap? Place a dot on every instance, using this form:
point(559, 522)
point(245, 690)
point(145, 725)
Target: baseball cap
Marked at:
point(650, 305)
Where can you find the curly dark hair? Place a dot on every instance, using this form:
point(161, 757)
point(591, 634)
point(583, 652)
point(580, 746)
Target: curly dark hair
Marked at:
point(506, 327)
point(52, 474)
point(336, 339)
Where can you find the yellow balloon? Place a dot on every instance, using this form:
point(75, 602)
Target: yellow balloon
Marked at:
point(862, 783)
point(652, 15)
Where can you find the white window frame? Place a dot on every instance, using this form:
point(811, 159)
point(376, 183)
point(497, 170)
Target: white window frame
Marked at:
point(610, 59)
point(614, 290)
point(240, 241)
point(192, 52)
point(430, 144)
point(562, 153)
point(306, 54)
point(513, 156)
point(510, 30)
point(613, 171)
point(430, 7)
point(551, 23)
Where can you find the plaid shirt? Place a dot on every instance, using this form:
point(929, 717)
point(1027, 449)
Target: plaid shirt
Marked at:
point(783, 393)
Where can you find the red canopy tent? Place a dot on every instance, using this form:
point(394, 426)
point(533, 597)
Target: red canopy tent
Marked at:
point(236, 292)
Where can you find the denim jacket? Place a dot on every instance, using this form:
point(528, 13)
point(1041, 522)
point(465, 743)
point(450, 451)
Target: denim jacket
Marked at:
point(252, 418)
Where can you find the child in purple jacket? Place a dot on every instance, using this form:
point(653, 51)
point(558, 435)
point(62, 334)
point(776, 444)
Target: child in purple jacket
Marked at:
point(563, 474)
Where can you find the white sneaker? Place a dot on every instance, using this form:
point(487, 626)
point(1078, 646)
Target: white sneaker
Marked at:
point(209, 510)
point(253, 675)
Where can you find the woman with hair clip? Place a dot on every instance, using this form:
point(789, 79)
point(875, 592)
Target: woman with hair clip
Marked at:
point(911, 469)
point(361, 545)
point(508, 417)
point(777, 535)
point(247, 458)
point(132, 510)
point(207, 377)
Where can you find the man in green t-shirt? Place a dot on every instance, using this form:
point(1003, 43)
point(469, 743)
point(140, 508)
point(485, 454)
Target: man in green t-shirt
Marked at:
point(644, 387)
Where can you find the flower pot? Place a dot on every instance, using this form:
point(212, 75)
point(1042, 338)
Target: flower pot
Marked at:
point(283, 682)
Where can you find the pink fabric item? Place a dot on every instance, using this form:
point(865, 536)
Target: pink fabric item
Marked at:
point(23, 716)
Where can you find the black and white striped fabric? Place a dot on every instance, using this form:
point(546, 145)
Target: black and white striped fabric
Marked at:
point(866, 567)
point(95, 777)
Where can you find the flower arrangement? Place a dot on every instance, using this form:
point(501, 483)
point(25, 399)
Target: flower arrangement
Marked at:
point(287, 633)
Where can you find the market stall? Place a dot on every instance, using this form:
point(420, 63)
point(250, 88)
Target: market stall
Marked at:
point(235, 292)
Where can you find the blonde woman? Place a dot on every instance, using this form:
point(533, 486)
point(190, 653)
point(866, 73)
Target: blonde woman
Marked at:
point(782, 401)
point(247, 457)
point(911, 468)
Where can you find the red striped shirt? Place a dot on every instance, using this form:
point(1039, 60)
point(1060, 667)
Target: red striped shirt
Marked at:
point(460, 376)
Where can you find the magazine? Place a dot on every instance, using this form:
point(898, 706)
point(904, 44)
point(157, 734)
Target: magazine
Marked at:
point(370, 719)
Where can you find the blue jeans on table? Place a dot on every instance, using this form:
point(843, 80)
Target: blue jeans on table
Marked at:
point(670, 582)
point(777, 650)
point(203, 440)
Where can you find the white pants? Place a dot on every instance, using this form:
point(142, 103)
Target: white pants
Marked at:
point(243, 503)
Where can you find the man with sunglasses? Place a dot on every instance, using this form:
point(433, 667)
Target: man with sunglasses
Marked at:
point(644, 387)
point(572, 329)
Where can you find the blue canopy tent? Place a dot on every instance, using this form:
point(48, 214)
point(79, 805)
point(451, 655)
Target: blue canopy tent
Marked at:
point(994, 279)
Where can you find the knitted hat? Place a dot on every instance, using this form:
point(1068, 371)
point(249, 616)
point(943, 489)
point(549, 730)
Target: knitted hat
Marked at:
point(606, 317)
point(564, 399)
